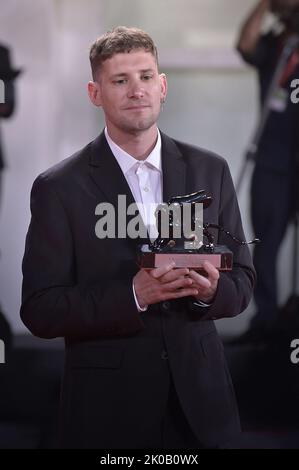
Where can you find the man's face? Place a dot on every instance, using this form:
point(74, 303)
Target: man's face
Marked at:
point(130, 91)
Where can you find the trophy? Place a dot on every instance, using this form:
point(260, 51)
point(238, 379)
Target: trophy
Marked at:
point(184, 238)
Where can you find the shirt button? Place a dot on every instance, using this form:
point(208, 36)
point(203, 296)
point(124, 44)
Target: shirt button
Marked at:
point(164, 355)
point(146, 189)
point(165, 306)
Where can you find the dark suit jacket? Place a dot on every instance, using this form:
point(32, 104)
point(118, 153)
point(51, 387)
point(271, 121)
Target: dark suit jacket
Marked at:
point(80, 287)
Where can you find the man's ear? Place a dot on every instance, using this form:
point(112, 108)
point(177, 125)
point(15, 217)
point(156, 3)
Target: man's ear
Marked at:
point(163, 84)
point(94, 93)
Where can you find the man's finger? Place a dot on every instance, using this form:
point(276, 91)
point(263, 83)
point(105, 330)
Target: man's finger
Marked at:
point(182, 293)
point(212, 272)
point(199, 279)
point(174, 274)
point(178, 284)
point(158, 272)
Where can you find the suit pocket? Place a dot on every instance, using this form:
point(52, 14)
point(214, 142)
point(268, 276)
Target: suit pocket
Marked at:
point(96, 358)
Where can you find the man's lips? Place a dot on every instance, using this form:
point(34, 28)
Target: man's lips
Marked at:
point(136, 107)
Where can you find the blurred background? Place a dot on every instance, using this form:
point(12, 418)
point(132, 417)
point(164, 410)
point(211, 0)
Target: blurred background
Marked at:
point(212, 102)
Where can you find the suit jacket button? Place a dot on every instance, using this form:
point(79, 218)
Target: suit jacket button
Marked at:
point(166, 306)
point(164, 355)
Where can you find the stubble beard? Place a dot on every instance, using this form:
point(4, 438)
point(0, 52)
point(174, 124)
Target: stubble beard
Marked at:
point(137, 125)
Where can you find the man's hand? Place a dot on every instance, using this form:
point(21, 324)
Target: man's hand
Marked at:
point(206, 285)
point(164, 283)
point(252, 28)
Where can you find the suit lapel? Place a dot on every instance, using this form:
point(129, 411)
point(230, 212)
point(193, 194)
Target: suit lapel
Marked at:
point(108, 176)
point(106, 172)
point(174, 169)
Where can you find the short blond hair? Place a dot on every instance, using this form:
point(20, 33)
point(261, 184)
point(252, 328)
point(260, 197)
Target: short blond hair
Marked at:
point(118, 40)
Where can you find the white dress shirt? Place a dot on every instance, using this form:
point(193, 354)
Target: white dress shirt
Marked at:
point(145, 181)
point(144, 178)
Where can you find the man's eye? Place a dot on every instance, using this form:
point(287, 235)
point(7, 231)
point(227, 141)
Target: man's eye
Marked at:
point(147, 77)
point(121, 81)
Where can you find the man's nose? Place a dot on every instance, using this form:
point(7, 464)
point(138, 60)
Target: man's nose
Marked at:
point(136, 90)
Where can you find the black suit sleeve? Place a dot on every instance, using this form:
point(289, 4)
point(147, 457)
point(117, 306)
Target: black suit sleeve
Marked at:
point(54, 303)
point(234, 288)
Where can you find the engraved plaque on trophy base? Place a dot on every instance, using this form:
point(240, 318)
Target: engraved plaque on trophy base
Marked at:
point(221, 257)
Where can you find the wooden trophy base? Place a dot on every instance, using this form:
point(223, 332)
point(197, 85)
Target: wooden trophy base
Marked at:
point(221, 258)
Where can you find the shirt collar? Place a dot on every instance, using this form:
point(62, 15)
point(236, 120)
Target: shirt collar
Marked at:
point(127, 162)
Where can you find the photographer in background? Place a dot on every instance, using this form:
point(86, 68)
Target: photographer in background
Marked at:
point(7, 75)
point(275, 175)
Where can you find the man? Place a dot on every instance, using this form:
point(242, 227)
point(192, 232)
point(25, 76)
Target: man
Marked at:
point(144, 364)
point(7, 106)
point(7, 102)
point(275, 176)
